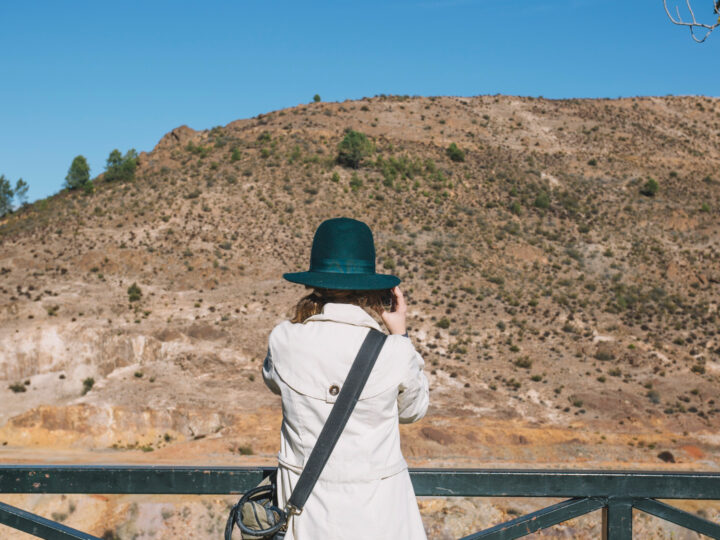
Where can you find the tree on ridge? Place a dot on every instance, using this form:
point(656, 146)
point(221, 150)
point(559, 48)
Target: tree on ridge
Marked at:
point(6, 195)
point(21, 189)
point(78, 174)
point(119, 167)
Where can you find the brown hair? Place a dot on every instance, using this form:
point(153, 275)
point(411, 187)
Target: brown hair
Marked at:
point(313, 303)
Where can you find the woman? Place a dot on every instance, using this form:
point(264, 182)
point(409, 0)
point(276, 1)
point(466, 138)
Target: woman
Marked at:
point(364, 491)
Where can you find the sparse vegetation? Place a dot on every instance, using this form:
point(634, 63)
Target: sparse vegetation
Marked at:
point(17, 387)
point(443, 323)
point(134, 293)
point(355, 182)
point(88, 383)
point(455, 153)
point(542, 200)
point(650, 188)
point(245, 450)
point(524, 362)
point(354, 147)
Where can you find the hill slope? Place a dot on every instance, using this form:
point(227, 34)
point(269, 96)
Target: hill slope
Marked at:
point(544, 286)
point(565, 318)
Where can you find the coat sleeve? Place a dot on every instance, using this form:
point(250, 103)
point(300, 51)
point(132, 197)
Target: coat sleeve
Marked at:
point(414, 394)
point(269, 374)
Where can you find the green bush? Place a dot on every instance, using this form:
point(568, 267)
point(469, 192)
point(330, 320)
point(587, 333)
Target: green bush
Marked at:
point(604, 356)
point(355, 182)
point(353, 149)
point(201, 151)
point(524, 363)
point(317, 98)
point(88, 384)
point(542, 200)
point(121, 168)
point(17, 387)
point(443, 323)
point(78, 174)
point(454, 153)
point(650, 188)
point(134, 293)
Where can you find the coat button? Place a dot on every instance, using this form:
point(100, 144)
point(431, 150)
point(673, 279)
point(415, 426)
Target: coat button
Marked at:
point(334, 389)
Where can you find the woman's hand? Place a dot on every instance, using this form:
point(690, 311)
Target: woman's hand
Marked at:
point(395, 320)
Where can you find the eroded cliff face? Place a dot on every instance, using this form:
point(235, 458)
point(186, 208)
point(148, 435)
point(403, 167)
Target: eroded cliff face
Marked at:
point(97, 388)
point(62, 348)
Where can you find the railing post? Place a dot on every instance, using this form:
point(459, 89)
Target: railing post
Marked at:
point(617, 519)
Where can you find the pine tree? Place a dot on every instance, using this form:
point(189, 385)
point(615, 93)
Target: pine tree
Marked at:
point(21, 189)
point(119, 167)
point(6, 195)
point(79, 173)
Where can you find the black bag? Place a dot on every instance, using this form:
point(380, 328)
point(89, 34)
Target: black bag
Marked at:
point(256, 513)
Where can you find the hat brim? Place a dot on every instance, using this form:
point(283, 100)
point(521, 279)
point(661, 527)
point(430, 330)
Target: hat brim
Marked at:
point(336, 280)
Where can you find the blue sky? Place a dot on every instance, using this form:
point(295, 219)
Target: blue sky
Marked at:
point(85, 77)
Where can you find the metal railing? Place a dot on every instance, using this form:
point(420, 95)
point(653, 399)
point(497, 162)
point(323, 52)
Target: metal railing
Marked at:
point(615, 492)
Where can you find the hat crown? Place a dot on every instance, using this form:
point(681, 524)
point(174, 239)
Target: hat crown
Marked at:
point(343, 257)
point(343, 245)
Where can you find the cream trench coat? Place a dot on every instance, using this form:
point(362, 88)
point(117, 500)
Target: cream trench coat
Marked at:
point(364, 491)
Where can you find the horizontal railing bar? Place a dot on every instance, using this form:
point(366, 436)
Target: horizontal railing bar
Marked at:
point(130, 479)
point(563, 483)
point(427, 482)
point(38, 525)
point(679, 517)
point(541, 519)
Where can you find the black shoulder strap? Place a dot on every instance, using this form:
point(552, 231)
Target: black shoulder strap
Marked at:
point(335, 423)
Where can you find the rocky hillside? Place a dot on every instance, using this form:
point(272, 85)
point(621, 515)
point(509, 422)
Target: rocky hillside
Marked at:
point(562, 262)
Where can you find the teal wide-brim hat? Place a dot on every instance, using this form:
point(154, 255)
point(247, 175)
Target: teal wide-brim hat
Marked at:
point(343, 257)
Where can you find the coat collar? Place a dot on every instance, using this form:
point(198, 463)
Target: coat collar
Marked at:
point(345, 313)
